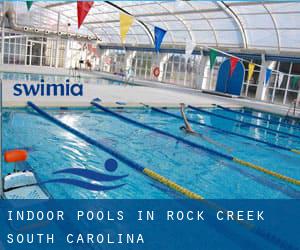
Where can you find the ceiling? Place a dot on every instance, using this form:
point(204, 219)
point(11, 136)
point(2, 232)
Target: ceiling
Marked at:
point(267, 25)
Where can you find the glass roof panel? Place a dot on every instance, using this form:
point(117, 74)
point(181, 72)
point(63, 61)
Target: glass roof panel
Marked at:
point(289, 39)
point(287, 21)
point(223, 24)
point(262, 39)
point(257, 21)
point(265, 25)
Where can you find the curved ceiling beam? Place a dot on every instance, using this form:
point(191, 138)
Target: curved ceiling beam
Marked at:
point(275, 26)
point(144, 26)
point(181, 21)
point(209, 24)
point(237, 20)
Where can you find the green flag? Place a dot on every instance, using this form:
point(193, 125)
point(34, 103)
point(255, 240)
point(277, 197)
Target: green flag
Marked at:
point(212, 56)
point(295, 80)
point(29, 4)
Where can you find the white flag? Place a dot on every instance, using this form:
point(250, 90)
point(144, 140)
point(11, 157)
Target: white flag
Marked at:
point(280, 79)
point(189, 48)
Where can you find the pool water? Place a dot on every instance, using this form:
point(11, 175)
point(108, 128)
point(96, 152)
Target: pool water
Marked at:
point(52, 148)
point(57, 79)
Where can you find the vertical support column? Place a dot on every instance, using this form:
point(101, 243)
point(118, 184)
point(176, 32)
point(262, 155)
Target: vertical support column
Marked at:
point(203, 77)
point(2, 41)
point(261, 89)
point(57, 41)
point(67, 64)
point(162, 62)
point(288, 83)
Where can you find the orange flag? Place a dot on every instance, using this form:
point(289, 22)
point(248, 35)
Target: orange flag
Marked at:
point(233, 62)
point(83, 9)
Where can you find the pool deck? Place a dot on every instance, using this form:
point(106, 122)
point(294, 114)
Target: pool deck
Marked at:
point(146, 92)
point(110, 94)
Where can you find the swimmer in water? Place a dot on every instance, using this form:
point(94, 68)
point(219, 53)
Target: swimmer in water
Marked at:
point(188, 129)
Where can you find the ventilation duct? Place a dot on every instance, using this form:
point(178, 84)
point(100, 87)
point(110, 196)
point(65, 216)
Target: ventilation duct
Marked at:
point(10, 15)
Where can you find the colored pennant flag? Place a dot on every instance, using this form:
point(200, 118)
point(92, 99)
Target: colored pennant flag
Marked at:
point(189, 48)
point(212, 57)
point(268, 76)
point(159, 35)
point(233, 63)
point(295, 80)
point(280, 79)
point(125, 23)
point(83, 8)
point(251, 67)
point(29, 4)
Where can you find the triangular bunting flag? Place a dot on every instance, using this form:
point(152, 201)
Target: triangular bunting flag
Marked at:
point(212, 57)
point(280, 79)
point(295, 80)
point(83, 8)
point(159, 35)
point(29, 4)
point(125, 23)
point(268, 76)
point(233, 63)
point(251, 67)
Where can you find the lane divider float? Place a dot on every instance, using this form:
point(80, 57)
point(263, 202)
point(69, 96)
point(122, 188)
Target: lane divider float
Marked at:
point(296, 151)
point(257, 117)
point(195, 145)
point(155, 176)
point(247, 123)
point(136, 166)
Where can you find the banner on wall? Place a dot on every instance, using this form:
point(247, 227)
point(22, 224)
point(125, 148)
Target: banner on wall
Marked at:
point(159, 35)
point(125, 23)
point(251, 67)
point(83, 8)
point(212, 57)
point(189, 48)
point(280, 79)
point(29, 4)
point(233, 62)
point(268, 76)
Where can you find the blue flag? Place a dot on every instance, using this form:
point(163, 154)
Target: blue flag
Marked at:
point(159, 34)
point(268, 75)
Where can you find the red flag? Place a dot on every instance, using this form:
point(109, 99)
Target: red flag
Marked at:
point(83, 9)
point(233, 62)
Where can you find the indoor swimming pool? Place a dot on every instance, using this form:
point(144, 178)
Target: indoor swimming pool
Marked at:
point(14, 76)
point(52, 148)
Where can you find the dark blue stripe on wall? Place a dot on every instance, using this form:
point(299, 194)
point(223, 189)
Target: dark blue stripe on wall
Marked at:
point(246, 56)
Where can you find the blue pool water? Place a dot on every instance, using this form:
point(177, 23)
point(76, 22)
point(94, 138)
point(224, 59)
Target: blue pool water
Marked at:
point(52, 149)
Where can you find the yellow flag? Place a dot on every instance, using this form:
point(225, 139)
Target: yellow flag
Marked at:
point(125, 23)
point(250, 71)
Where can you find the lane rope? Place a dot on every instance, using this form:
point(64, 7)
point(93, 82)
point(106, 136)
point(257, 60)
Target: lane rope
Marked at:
point(155, 176)
point(248, 123)
point(224, 131)
point(269, 172)
point(257, 117)
point(195, 145)
point(136, 166)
